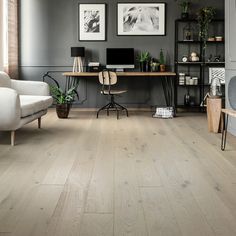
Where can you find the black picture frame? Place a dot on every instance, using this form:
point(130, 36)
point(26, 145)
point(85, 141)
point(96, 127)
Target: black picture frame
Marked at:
point(92, 35)
point(150, 10)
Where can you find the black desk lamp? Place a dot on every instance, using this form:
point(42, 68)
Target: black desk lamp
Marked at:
point(78, 53)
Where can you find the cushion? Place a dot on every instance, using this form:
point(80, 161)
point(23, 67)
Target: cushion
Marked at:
point(33, 104)
point(5, 80)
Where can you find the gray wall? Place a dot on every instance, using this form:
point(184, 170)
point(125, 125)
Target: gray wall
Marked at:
point(230, 19)
point(50, 27)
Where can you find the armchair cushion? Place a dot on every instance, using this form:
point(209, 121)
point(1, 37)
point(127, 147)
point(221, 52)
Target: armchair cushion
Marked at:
point(30, 87)
point(33, 104)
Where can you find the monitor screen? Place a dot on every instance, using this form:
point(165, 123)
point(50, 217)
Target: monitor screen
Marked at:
point(120, 57)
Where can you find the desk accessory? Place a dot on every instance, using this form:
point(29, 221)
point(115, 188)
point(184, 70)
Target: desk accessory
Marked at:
point(78, 53)
point(94, 67)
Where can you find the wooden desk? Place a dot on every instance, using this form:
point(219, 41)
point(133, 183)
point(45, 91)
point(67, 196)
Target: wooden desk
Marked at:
point(167, 79)
point(123, 74)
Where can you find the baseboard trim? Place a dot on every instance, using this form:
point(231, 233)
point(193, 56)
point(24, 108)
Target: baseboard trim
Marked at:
point(96, 109)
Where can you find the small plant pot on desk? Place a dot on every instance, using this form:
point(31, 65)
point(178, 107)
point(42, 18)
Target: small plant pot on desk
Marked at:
point(63, 110)
point(162, 68)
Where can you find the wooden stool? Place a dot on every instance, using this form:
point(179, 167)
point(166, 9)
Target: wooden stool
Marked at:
point(214, 106)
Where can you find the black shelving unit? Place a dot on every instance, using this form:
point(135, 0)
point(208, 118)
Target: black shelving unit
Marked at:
point(199, 69)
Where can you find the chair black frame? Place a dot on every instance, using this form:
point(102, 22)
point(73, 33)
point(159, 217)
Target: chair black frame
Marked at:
point(112, 105)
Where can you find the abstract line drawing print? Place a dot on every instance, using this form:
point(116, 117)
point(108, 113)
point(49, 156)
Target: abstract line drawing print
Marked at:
point(141, 19)
point(91, 21)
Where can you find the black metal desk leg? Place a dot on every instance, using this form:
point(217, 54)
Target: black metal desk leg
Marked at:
point(224, 133)
point(164, 81)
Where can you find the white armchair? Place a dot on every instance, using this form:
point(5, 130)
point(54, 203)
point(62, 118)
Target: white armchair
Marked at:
point(21, 102)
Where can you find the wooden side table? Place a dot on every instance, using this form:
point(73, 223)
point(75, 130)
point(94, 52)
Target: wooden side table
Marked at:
point(214, 106)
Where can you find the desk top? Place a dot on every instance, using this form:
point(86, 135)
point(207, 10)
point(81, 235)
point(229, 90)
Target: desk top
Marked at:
point(128, 74)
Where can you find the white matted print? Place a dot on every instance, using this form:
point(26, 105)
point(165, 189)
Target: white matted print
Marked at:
point(92, 22)
point(141, 18)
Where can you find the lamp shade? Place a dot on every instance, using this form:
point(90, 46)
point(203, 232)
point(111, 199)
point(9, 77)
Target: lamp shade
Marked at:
point(77, 51)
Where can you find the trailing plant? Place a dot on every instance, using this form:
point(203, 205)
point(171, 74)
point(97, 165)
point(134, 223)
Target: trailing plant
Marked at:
point(204, 17)
point(63, 97)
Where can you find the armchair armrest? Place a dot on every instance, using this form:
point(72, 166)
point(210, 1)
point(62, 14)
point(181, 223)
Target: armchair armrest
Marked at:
point(10, 109)
point(30, 87)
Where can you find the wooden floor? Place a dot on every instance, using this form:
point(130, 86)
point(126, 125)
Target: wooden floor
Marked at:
point(136, 176)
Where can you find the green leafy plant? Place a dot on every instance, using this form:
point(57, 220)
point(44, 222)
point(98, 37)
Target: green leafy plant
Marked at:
point(63, 97)
point(184, 6)
point(144, 57)
point(204, 17)
point(162, 58)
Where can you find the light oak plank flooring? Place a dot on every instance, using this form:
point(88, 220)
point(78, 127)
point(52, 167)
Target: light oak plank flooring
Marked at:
point(135, 176)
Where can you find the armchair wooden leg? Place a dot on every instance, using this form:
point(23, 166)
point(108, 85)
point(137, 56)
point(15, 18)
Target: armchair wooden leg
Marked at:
point(39, 122)
point(13, 135)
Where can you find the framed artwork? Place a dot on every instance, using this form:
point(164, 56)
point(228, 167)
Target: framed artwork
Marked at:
point(141, 18)
point(92, 22)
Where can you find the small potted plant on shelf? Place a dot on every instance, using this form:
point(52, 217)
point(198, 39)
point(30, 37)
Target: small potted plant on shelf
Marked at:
point(162, 62)
point(204, 17)
point(154, 65)
point(185, 9)
point(144, 58)
point(63, 99)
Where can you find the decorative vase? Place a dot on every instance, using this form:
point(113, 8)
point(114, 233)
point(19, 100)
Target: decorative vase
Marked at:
point(63, 110)
point(143, 66)
point(184, 15)
point(187, 99)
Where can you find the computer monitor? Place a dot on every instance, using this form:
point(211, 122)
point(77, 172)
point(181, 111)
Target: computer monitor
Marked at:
point(120, 58)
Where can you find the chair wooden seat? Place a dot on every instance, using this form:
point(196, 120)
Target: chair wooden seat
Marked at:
point(115, 92)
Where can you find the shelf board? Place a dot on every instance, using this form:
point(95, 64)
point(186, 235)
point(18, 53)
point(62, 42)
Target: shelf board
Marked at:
point(214, 63)
point(190, 85)
point(189, 41)
point(200, 63)
point(189, 63)
point(215, 42)
point(195, 21)
point(193, 85)
point(199, 42)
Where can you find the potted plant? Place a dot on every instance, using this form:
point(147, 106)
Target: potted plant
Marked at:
point(154, 64)
point(63, 100)
point(204, 17)
point(144, 58)
point(162, 62)
point(184, 8)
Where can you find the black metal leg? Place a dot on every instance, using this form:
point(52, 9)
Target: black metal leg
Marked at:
point(224, 134)
point(122, 108)
point(112, 105)
point(164, 90)
point(103, 108)
point(117, 111)
point(168, 89)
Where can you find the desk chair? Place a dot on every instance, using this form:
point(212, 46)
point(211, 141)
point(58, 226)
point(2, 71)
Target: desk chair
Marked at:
point(107, 79)
point(229, 112)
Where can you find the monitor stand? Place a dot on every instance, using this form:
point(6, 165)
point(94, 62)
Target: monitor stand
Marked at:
point(120, 70)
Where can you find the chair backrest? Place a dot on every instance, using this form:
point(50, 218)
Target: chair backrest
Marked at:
point(232, 93)
point(5, 80)
point(107, 78)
